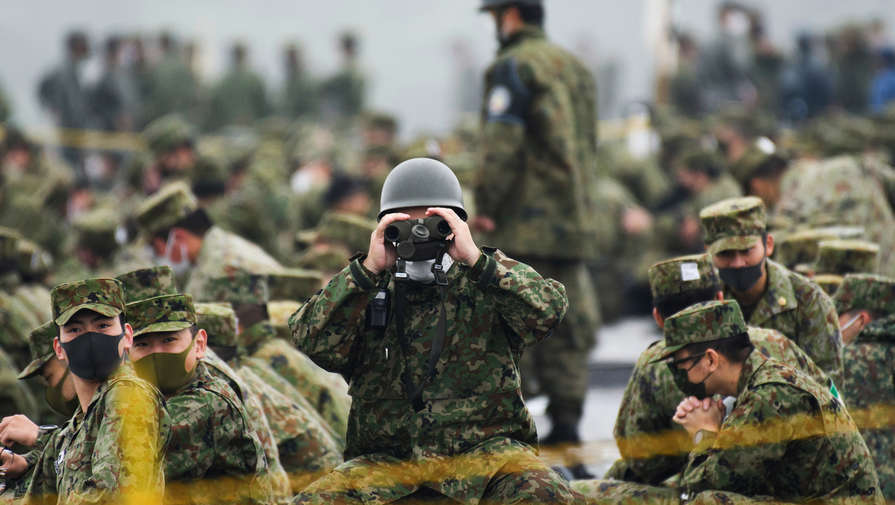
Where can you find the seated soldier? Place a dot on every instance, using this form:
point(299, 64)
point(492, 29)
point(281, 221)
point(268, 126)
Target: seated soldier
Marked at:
point(653, 448)
point(437, 410)
point(213, 456)
point(112, 447)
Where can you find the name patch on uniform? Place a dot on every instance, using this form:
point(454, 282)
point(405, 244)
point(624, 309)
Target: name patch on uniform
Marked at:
point(499, 100)
point(689, 272)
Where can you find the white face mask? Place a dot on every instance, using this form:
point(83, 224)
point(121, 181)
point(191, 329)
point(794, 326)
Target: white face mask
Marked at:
point(421, 271)
point(181, 267)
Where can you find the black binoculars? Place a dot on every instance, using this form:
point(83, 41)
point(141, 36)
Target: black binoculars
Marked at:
point(418, 239)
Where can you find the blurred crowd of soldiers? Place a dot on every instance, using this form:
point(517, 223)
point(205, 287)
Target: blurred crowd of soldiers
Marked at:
point(230, 210)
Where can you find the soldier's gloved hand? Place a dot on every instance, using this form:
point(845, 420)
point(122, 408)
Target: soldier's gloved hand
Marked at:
point(463, 248)
point(18, 429)
point(381, 254)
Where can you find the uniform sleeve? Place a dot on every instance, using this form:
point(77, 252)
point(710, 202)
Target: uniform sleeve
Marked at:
point(41, 487)
point(819, 334)
point(504, 113)
point(327, 325)
point(238, 453)
point(530, 304)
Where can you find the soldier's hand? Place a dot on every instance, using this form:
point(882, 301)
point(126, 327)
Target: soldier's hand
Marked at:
point(12, 465)
point(636, 220)
point(695, 414)
point(463, 248)
point(381, 254)
point(18, 429)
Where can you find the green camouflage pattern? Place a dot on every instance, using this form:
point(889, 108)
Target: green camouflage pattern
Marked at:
point(148, 283)
point(787, 437)
point(800, 247)
point(161, 314)
point(842, 257)
point(15, 396)
point(735, 223)
point(279, 312)
point(865, 292)
point(828, 282)
point(653, 447)
point(799, 309)
point(96, 228)
point(211, 438)
point(116, 447)
point(475, 393)
point(600, 491)
point(238, 99)
point(16, 322)
point(162, 210)
point(327, 392)
point(350, 230)
point(746, 166)
point(682, 274)
point(224, 253)
point(219, 322)
point(40, 345)
point(870, 382)
point(703, 322)
point(295, 283)
point(530, 156)
point(105, 296)
point(237, 288)
point(33, 260)
point(167, 133)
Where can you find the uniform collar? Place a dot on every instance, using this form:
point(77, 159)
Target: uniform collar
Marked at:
point(524, 33)
point(778, 297)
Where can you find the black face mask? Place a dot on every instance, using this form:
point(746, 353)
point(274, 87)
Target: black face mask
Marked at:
point(743, 278)
point(687, 387)
point(93, 356)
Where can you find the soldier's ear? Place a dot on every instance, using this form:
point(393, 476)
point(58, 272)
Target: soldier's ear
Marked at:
point(660, 321)
point(57, 348)
point(769, 245)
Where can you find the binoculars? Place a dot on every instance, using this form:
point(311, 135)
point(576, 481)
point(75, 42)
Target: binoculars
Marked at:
point(418, 239)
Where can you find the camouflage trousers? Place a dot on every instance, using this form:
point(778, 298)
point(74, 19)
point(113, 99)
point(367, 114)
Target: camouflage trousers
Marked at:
point(557, 367)
point(617, 492)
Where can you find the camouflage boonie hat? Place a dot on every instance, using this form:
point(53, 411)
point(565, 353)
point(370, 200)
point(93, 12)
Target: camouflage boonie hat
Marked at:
point(40, 345)
point(167, 133)
point(865, 292)
point(147, 283)
point(735, 223)
point(105, 296)
point(702, 322)
point(681, 275)
point(161, 314)
point(238, 288)
point(842, 257)
point(219, 322)
point(164, 209)
point(293, 284)
point(800, 247)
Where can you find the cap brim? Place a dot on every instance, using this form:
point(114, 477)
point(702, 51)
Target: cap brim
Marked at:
point(34, 367)
point(668, 352)
point(163, 327)
point(733, 243)
point(102, 308)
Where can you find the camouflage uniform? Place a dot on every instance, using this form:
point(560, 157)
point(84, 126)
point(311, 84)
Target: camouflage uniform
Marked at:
point(239, 99)
point(211, 449)
point(467, 434)
point(653, 448)
point(791, 304)
point(116, 446)
point(869, 376)
point(539, 139)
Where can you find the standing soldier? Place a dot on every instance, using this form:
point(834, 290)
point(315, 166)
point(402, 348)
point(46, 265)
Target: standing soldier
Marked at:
point(532, 190)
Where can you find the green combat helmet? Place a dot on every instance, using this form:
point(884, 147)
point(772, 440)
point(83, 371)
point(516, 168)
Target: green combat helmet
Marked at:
point(683, 274)
point(735, 223)
point(865, 292)
point(165, 208)
point(421, 182)
point(702, 322)
point(147, 283)
point(40, 344)
point(168, 133)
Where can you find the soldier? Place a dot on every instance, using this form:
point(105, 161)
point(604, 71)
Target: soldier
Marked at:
point(736, 236)
point(436, 408)
point(654, 448)
point(113, 446)
point(837, 258)
point(171, 85)
point(332, 242)
point(539, 140)
point(866, 304)
point(342, 96)
point(184, 237)
point(211, 438)
point(300, 91)
point(171, 139)
point(240, 98)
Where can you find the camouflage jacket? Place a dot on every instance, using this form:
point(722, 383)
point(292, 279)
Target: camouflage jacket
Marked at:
point(116, 447)
point(799, 309)
point(211, 440)
point(494, 310)
point(870, 381)
point(652, 446)
point(539, 141)
point(222, 252)
point(788, 438)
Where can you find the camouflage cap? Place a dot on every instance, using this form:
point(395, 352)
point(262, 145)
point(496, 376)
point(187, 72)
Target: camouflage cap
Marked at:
point(842, 257)
point(161, 314)
point(237, 288)
point(40, 344)
point(350, 230)
point(865, 292)
point(682, 274)
point(757, 155)
point(105, 296)
point(33, 260)
point(702, 322)
point(147, 283)
point(735, 223)
point(293, 284)
point(791, 249)
point(828, 282)
point(96, 228)
point(219, 322)
point(167, 133)
point(165, 208)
